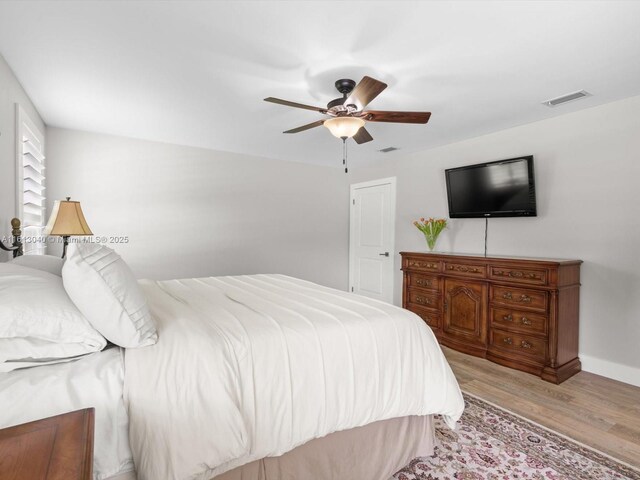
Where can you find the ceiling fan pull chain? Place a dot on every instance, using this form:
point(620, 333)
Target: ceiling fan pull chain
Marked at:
point(344, 150)
point(344, 154)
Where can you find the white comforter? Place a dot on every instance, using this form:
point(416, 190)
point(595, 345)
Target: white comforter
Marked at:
point(253, 366)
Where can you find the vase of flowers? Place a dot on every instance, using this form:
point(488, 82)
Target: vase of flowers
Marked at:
point(431, 228)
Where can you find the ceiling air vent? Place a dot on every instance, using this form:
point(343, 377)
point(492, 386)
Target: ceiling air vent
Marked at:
point(388, 149)
point(566, 98)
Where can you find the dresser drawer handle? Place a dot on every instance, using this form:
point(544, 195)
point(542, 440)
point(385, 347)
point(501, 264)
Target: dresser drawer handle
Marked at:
point(525, 344)
point(525, 321)
point(516, 274)
point(423, 283)
point(507, 340)
point(523, 298)
point(508, 318)
point(423, 265)
point(462, 268)
point(423, 300)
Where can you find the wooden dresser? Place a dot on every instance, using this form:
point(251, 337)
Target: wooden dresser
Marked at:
point(54, 448)
point(519, 312)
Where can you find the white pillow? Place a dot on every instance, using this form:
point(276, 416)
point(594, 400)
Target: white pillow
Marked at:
point(46, 263)
point(38, 322)
point(104, 289)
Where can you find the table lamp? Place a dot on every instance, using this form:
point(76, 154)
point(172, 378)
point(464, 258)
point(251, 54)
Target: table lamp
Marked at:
point(66, 220)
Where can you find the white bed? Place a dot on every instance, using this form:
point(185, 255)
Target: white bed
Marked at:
point(252, 366)
point(245, 368)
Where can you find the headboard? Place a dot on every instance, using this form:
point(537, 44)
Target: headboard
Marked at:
point(16, 241)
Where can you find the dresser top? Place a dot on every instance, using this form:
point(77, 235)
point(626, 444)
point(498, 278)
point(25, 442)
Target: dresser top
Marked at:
point(476, 257)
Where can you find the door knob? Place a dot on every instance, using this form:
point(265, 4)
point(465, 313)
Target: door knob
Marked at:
point(385, 254)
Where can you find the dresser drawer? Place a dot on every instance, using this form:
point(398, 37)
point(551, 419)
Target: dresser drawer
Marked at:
point(414, 263)
point(420, 298)
point(514, 320)
point(518, 344)
point(519, 297)
point(465, 270)
point(419, 280)
point(531, 276)
point(431, 318)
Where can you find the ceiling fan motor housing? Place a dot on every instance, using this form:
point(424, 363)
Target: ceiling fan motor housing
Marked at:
point(345, 86)
point(335, 103)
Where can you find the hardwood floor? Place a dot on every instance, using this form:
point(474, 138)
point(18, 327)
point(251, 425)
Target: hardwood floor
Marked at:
point(594, 410)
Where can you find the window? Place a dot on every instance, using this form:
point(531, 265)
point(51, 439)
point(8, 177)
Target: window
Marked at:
point(30, 189)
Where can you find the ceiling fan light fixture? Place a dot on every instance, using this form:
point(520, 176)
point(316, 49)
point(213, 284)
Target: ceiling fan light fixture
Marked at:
point(344, 127)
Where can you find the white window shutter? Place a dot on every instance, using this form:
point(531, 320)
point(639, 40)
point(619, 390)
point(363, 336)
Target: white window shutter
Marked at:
point(31, 197)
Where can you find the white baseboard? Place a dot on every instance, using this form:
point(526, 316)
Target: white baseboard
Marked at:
point(616, 371)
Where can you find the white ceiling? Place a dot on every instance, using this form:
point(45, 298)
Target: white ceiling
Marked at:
point(195, 73)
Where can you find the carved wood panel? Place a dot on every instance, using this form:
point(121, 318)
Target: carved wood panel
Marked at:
point(465, 310)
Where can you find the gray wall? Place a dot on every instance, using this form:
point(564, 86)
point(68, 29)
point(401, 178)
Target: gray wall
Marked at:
point(587, 167)
point(191, 212)
point(11, 92)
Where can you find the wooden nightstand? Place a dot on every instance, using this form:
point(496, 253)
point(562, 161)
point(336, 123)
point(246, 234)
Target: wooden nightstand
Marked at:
point(54, 448)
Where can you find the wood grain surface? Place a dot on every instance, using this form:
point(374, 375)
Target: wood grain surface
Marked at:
point(54, 448)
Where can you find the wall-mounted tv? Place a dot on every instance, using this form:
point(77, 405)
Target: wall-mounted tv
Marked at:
point(505, 188)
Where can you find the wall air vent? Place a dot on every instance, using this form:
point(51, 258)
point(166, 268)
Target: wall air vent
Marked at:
point(570, 97)
point(388, 149)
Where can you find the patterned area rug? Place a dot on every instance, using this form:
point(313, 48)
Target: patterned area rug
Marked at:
point(493, 444)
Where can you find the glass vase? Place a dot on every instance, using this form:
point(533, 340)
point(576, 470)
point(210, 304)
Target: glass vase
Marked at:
point(431, 241)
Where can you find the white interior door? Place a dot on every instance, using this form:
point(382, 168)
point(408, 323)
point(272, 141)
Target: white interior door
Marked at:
point(372, 235)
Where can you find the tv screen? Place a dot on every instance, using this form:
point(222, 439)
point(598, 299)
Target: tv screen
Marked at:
point(497, 189)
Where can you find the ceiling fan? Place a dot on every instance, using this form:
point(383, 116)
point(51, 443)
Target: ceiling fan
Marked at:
point(347, 113)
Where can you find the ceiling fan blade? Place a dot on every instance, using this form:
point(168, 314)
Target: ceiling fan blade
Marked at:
point(368, 89)
point(396, 117)
point(305, 127)
point(287, 103)
point(362, 136)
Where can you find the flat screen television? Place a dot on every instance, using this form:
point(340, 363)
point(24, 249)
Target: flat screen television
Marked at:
point(505, 188)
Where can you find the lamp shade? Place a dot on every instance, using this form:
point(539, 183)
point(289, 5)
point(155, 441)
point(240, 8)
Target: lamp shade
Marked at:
point(67, 219)
point(344, 127)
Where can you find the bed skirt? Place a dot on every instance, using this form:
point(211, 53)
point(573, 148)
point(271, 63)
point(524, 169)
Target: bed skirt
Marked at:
point(373, 452)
